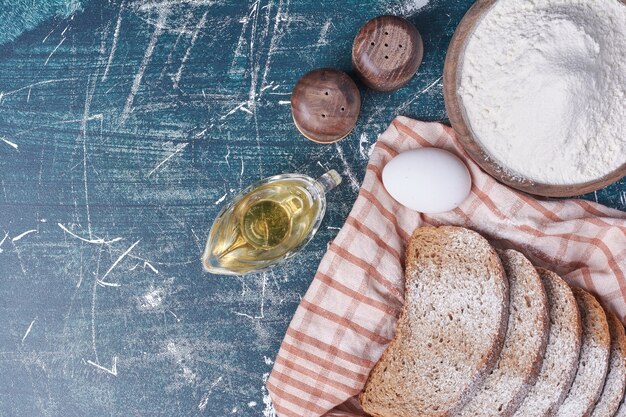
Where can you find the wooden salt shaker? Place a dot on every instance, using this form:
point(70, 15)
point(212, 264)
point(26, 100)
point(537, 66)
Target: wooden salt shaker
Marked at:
point(325, 105)
point(387, 52)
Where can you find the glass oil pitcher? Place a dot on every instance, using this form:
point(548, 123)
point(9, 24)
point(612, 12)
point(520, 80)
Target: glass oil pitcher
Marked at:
point(267, 223)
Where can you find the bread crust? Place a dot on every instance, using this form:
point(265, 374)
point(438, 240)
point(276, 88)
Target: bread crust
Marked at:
point(621, 411)
point(593, 361)
point(562, 351)
point(613, 390)
point(524, 346)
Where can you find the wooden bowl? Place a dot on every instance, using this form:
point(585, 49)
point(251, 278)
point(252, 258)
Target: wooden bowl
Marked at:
point(460, 122)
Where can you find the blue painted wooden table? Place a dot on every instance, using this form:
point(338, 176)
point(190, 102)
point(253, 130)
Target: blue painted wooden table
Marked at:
point(124, 127)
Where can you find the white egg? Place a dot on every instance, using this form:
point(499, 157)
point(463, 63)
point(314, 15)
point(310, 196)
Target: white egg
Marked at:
point(428, 180)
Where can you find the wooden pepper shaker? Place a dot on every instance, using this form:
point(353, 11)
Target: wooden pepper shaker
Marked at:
point(387, 52)
point(325, 105)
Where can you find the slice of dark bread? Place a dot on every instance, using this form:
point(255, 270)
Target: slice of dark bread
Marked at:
point(593, 362)
point(561, 357)
point(451, 328)
point(524, 345)
point(615, 383)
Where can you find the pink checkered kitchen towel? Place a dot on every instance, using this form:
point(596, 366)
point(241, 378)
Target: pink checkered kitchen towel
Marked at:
point(348, 315)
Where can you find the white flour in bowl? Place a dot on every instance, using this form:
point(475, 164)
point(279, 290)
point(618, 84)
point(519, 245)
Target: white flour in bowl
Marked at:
point(543, 83)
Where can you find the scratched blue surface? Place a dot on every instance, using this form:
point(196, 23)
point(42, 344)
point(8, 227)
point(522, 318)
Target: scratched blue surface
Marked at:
point(124, 127)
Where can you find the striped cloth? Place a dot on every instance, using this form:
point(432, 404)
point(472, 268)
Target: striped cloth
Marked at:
point(347, 316)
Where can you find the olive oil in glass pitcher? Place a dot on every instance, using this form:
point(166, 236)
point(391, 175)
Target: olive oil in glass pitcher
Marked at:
point(267, 223)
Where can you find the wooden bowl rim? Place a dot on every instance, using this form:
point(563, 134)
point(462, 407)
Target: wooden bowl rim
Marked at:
point(458, 117)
